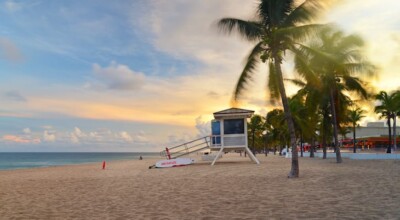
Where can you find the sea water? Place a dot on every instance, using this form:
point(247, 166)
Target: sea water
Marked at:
point(10, 161)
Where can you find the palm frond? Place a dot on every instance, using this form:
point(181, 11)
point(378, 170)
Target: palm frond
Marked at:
point(365, 68)
point(317, 53)
point(351, 41)
point(297, 82)
point(274, 12)
point(303, 66)
point(356, 85)
point(303, 13)
point(300, 33)
point(250, 30)
point(248, 70)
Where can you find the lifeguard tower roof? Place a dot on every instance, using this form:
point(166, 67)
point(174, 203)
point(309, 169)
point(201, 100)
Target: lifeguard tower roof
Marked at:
point(235, 112)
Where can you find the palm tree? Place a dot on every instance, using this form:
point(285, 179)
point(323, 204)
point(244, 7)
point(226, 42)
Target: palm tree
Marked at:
point(277, 129)
point(387, 109)
point(330, 64)
point(278, 25)
point(343, 130)
point(314, 101)
point(256, 126)
point(355, 115)
point(299, 113)
point(397, 113)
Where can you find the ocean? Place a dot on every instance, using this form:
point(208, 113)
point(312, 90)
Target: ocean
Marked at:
point(11, 161)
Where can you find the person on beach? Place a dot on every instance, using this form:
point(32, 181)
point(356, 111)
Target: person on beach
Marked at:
point(140, 157)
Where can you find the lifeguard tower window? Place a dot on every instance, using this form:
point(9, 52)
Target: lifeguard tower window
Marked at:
point(233, 126)
point(216, 132)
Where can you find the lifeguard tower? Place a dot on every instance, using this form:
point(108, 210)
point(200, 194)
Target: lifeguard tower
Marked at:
point(228, 133)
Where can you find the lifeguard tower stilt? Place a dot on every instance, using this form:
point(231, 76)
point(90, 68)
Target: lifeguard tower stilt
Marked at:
point(229, 132)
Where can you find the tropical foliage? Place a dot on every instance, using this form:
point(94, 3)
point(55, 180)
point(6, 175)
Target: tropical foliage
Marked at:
point(331, 70)
point(255, 128)
point(389, 108)
point(330, 65)
point(354, 116)
point(276, 29)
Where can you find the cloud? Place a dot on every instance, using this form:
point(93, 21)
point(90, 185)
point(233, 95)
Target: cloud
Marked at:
point(125, 136)
point(12, 6)
point(47, 127)
point(21, 140)
point(26, 137)
point(9, 51)
point(76, 135)
point(101, 136)
point(15, 96)
point(49, 136)
point(203, 127)
point(74, 139)
point(141, 137)
point(26, 130)
point(191, 33)
point(78, 132)
point(119, 77)
point(213, 95)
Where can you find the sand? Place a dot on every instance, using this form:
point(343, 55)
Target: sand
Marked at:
point(234, 188)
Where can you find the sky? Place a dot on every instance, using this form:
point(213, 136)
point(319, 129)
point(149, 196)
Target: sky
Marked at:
point(141, 75)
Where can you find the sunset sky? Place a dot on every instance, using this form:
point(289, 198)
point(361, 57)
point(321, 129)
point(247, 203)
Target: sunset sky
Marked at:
point(139, 75)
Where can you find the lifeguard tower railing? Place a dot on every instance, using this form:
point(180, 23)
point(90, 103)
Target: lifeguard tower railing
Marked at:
point(228, 141)
point(187, 148)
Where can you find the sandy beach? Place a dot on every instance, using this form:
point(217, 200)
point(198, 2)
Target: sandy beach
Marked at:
point(234, 188)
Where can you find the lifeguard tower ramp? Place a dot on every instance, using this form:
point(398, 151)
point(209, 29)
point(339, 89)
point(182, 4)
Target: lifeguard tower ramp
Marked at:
point(229, 133)
point(186, 148)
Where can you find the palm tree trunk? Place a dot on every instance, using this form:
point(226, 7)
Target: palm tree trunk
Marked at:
point(294, 172)
point(312, 148)
point(335, 128)
point(324, 142)
point(354, 138)
point(324, 132)
point(301, 144)
point(394, 132)
point(253, 147)
point(389, 148)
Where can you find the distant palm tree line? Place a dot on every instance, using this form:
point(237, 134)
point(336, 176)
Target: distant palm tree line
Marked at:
point(271, 131)
point(329, 65)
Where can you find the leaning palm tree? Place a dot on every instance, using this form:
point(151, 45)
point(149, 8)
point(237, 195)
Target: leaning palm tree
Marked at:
point(330, 63)
point(355, 115)
point(387, 109)
point(278, 25)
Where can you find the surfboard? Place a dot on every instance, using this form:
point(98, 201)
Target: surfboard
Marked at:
point(174, 162)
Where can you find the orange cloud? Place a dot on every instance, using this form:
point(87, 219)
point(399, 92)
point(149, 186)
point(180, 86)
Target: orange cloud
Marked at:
point(21, 140)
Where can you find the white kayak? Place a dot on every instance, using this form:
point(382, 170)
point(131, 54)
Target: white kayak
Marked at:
point(174, 162)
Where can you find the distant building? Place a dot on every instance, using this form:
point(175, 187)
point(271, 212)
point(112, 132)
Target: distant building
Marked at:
point(377, 124)
point(375, 134)
point(373, 129)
